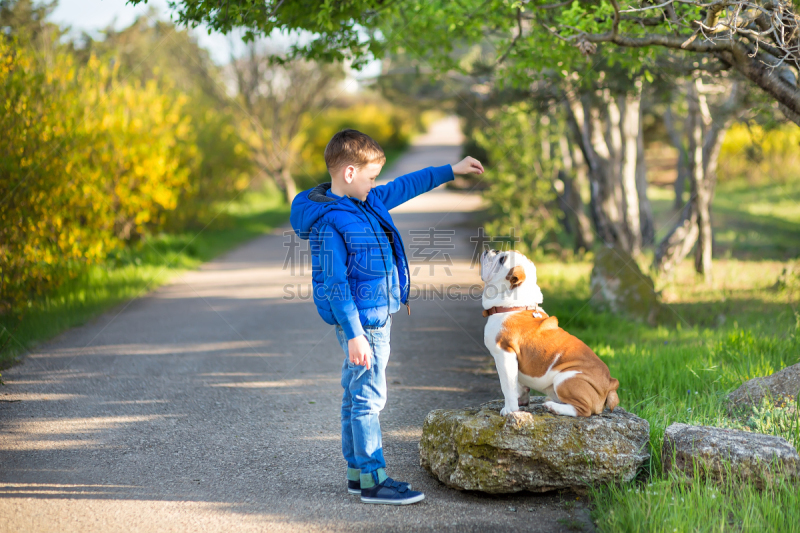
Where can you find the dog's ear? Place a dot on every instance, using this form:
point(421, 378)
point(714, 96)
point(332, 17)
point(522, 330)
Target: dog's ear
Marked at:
point(516, 276)
point(550, 322)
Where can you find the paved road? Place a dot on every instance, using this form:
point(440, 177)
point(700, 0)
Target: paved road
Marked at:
point(212, 404)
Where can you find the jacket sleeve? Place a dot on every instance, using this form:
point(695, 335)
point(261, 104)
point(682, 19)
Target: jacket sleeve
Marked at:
point(333, 261)
point(404, 188)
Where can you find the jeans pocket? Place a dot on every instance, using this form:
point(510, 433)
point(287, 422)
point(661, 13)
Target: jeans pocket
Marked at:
point(381, 335)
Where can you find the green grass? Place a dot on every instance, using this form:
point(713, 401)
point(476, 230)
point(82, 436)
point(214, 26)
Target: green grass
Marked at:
point(138, 269)
point(750, 221)
point(713, 338)
point(681, 372)
point(669, 505)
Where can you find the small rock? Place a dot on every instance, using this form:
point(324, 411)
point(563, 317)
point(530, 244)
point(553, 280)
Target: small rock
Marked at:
point(718, 452)
point(782, 386)
point(531, 449)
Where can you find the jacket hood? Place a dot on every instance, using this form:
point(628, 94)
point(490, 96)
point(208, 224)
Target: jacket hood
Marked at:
point(311, 205)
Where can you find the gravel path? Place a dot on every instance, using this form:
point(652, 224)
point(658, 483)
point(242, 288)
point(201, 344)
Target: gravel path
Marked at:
point(212, 404)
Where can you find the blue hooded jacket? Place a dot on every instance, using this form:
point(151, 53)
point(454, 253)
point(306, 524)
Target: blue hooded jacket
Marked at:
point(351, 259)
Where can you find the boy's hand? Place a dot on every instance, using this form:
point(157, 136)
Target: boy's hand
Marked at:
point(468, 165)
point(359, 351)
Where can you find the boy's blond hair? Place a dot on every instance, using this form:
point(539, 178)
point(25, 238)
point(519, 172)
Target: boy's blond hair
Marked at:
point(351, 147)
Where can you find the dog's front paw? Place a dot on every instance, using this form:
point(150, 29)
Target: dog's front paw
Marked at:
point(508, 409)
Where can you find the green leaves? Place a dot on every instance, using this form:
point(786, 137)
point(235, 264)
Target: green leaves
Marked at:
point(519, 142)
point(586, 18)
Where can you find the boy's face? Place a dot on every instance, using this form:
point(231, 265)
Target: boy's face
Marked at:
point(359, 181)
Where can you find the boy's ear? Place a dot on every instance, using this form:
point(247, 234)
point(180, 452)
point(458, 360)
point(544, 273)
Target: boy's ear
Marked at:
point(349, 173)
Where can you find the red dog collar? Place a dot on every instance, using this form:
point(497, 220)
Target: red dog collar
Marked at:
point(500, 309)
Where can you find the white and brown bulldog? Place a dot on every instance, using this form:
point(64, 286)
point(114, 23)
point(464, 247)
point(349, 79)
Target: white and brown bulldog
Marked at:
point(531, 351)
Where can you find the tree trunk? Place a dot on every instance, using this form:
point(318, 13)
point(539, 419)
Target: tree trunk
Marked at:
point(629, 128)
point(700, 201)
point(578, 115)
point(710, 158)
point(575, 166)
point(579, 222)
point(695, 223)
point(563, 203)
point(683, 158)
point(678, 242)
point(604, 199)
point(645, 209)
point(609, 145)
point(289, 186)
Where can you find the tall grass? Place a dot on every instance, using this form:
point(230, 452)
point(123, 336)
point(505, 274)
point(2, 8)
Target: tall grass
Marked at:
point(671, 505)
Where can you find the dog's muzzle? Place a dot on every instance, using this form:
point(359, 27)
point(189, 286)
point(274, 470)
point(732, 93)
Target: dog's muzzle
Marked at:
point(488, 264)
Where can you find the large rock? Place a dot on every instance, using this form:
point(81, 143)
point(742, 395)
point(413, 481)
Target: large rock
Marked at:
point(618, 285)
point(719, 453)
point(532, 449)
point(782, 386)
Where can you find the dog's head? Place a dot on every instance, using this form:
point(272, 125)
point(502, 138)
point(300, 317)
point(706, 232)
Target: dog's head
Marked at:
point(509, 270)
point(510, 266)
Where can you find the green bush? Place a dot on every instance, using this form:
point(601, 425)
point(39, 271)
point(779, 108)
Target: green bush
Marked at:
point(520, 192)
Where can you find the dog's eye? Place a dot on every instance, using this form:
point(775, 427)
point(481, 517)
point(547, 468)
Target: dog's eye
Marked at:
point(503, 259)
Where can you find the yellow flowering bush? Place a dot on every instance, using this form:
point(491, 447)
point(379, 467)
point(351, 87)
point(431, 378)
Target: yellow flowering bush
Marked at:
point(87, 161)
point(759, 155)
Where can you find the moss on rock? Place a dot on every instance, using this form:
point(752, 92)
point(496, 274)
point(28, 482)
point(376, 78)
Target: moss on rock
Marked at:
point(532, 449)
point(618, 285)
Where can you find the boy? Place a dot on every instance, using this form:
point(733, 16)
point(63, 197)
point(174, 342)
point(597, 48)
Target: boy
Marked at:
point(360, 277)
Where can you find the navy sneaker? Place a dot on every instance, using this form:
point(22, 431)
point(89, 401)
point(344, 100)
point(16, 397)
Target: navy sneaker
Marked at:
point(391, 492)
point(354, 487)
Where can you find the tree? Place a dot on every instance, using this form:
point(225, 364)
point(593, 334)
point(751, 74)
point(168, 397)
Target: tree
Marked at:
point(78, 175)
point(606, 124)
point(276, 100)
point(616, 179)
point(532, 40)
point(758, 38)
point(704, 136)
point(26, 21)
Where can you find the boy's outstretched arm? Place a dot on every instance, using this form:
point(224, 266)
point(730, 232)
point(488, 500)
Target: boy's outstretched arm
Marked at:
point(333, 261)
point(406, 187)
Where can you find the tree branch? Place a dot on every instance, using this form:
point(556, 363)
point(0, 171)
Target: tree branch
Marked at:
point(667, 41)
point(615, 27)
point(516, 38)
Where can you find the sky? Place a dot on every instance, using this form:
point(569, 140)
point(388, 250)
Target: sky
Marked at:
point(93, 15)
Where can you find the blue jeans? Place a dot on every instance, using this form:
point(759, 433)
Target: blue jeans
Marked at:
point(363, 399)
